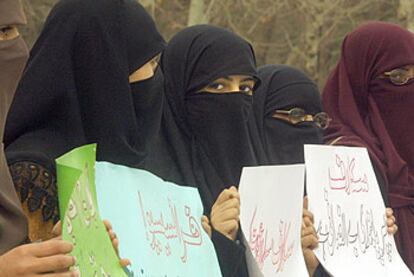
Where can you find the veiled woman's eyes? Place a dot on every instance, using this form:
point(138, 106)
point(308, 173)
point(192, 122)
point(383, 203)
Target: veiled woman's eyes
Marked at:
point(246, 89)
point(216, 86)
point(8, 32)
point(4, 29)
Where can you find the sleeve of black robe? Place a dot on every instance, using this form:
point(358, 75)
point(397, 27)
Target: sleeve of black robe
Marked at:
point(320, 272)
point(231, 256)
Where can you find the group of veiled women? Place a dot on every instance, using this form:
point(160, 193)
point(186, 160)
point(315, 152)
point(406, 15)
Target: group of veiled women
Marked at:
point(194, 111)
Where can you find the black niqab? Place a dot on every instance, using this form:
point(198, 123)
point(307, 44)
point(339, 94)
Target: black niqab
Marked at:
point(283, 88)
point(204, 140)
point(75, 89)
point(205, 134)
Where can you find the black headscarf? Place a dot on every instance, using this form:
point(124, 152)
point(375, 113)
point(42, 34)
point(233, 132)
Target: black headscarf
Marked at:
point(206, 134)
point(75, 89)
point(204, 140)
point(283, 88)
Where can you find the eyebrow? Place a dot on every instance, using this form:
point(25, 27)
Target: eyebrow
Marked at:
point(242, 80)
point(248, 79)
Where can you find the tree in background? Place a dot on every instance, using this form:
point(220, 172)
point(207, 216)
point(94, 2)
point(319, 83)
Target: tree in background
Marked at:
point(303, 33)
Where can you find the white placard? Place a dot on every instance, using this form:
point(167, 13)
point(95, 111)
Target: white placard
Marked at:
point(346, 201)
point(271, 219)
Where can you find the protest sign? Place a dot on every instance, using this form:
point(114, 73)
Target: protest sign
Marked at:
point(349, 214)
point(158, 223)
point(81, 222)
point(271, 219)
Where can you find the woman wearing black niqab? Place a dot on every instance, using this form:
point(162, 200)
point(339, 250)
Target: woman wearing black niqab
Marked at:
point(204, 140)
point(282, 130)
point(287, 115)
point(279, 140)
point(207, 123)
point(76, 90)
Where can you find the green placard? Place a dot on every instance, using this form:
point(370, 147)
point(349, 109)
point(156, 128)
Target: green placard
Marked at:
point(81, 222)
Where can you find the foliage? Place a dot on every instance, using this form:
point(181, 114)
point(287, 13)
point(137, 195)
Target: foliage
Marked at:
point(303, 33)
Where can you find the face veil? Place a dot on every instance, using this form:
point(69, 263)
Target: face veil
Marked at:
point(284, 88)
point(69, 95)
point(215, 125)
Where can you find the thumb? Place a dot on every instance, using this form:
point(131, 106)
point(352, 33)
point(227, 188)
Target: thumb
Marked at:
point(233, 188)
point(305, 202)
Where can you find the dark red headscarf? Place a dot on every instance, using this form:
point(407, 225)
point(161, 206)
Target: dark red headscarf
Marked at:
point(371, 112)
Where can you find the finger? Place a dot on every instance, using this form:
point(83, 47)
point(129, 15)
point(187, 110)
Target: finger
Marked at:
point(305, 202)
point(235, 191)
point(207, 228)
point(226, 215)
point(233, 233)
point(307, 221)
point(112, 234)
point(390, 222)
point(392, 230)
point(107, 224)
point(226, 194)
point(50, 248)
point(227, 227)
point(389, 212)
point(308, 231)
point(115, 245)
point(229, 204)
point(53, 263)
point(124, 262)
point(205, 219)
point(62, 274)
point(308, 214)
point(57, 229)
point(309, 242)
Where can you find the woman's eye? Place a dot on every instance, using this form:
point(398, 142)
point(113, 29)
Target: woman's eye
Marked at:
point(245, 88)
point(154, 64)
point(6, 29)
point(8, 32)
point(216, 86)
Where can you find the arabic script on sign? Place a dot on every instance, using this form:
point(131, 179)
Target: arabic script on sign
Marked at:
point(264, 246)
point(343, 177)
point(159, 231)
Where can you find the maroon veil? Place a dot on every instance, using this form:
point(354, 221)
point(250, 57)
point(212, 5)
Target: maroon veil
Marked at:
point(369, 111)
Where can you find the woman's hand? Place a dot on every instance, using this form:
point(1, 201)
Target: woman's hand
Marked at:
point(57, 232)
point(392, 227)
point(205, 222)
point(225, 214)
point(115, 243)
point(309, 239)
point(38, 259)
